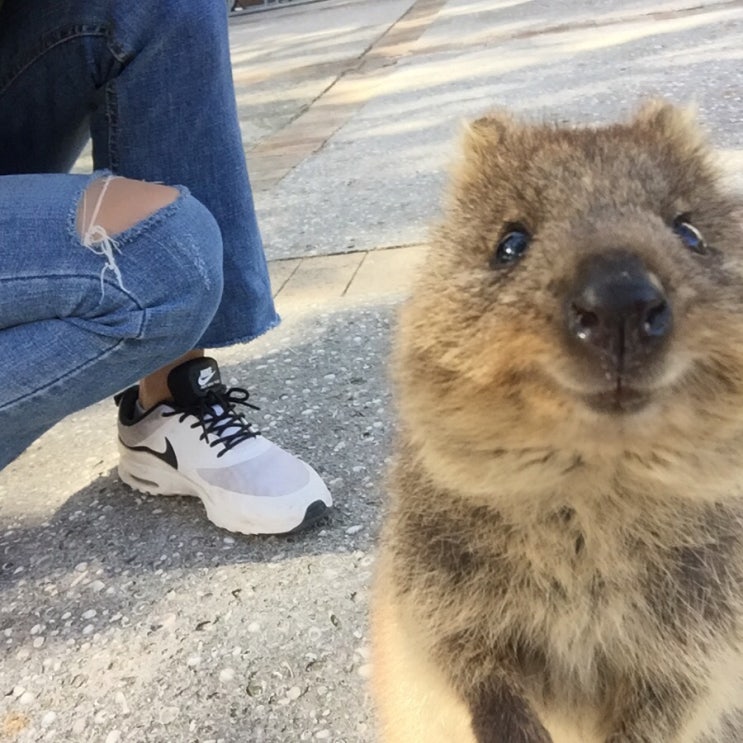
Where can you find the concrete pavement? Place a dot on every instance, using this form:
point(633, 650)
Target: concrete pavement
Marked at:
point(131, 618)
point(375, 180)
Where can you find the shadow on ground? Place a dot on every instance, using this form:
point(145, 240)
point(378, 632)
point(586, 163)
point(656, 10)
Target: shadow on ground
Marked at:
point(130, 613)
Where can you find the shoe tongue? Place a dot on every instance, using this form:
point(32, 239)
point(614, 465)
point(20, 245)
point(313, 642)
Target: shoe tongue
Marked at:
point(191, 381)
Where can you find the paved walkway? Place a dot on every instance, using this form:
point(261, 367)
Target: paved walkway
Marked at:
point(349, 147)
point(354, 79)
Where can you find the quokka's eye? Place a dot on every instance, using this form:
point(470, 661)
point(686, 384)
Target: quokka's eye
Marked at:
point(511, 247)
point(690, 236)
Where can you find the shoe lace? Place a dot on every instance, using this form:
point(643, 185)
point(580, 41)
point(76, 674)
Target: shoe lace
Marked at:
point(218, 417)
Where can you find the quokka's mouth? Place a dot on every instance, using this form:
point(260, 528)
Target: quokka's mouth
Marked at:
point(619, 400)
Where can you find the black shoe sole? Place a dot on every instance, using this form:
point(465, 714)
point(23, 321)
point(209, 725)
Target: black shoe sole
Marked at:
point(314, 513)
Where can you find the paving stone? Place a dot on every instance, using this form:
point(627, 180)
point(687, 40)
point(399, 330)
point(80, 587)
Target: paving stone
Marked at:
point(317, 279)
point(386, 272)
point(280, 271)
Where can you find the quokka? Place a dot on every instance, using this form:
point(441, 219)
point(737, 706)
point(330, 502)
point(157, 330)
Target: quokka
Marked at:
point(563, 555)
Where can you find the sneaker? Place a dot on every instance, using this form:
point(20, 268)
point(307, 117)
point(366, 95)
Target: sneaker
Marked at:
point(201, 444)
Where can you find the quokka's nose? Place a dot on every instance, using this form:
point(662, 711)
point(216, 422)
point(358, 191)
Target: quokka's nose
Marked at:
point(617, 311)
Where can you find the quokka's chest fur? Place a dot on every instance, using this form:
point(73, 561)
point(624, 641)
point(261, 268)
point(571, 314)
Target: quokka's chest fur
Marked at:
point(577, 596)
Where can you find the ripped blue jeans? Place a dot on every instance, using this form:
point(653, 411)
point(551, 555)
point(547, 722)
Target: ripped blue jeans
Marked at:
point(151, 84)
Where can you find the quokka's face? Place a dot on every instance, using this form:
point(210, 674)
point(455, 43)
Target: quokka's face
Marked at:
point(585, 284)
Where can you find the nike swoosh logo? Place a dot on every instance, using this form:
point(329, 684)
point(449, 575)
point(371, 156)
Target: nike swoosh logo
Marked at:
point(168, 456)
point(205, 377)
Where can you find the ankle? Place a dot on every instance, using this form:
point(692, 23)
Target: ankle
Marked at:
point(151, 394)
point(154, 389)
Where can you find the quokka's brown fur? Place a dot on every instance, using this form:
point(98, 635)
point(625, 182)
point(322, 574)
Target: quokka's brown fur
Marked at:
point(563, 555)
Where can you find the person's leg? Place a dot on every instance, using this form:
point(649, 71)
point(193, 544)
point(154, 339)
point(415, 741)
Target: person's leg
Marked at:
point(126, 204)
point(54, 63)
point(170, 115)
point(81, 316)
point(153, 83)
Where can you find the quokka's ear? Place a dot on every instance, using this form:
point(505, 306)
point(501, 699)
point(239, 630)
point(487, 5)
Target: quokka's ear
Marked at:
point(487, 132)
point(666, 121)
point(487, 144)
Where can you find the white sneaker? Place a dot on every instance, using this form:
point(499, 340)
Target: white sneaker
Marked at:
point(200, 445)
